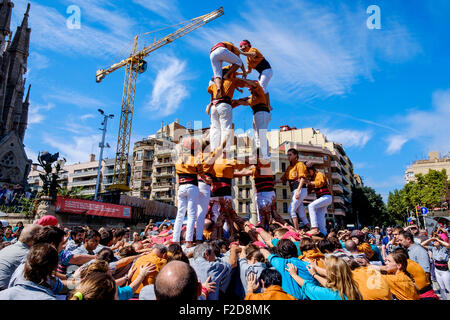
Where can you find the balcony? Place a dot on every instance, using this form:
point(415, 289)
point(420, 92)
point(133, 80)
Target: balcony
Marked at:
point(347, 200)
point(108, 172)
point(345, 179)
point(336, 176)
point(346, 190)
point(338, 188)
point(339, 200)
point(339, 212)
point(164, 174)
point(162, 164)
point(156, 185)
point(84, 174)
point(163, 198)
point(335, 164)
point(83, 183)
point(88, 192)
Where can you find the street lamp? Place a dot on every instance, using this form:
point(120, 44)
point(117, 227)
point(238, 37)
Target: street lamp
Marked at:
point(102, 146)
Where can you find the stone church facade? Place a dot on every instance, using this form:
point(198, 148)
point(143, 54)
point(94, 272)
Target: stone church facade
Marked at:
point(14, 51)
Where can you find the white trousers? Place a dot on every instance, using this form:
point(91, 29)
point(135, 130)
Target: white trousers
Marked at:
point(215, 209)
point(261, 121)
point(317, 211)
point(443, 279)
point(187, 201)
point(218, 56)
point(264, 78)
point(296, 208)
point(264, 202)
point(204, 192)
point(221, 123)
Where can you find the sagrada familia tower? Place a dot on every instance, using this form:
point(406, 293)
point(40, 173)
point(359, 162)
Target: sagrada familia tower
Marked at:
point(14, 163)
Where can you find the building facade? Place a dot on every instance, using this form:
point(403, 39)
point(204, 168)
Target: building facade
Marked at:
point(434, 162)
point(14, 163)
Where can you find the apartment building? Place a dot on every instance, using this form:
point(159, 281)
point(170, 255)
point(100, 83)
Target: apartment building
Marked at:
point(434, 162)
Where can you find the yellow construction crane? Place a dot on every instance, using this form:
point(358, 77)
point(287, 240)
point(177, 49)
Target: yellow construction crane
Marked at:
point(135, 64)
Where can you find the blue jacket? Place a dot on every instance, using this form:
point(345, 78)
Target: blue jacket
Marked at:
point(316, 292)
point(288, 283)
point(27, 290)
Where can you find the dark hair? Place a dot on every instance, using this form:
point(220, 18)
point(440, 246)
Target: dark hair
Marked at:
point(42, 260)
point(286, 249)
point(127, 251)
point(306, 244)
point(402, 250)
point(259, 257)
point(75, 231)
point(175, 252)
point(326, 246)
point(244, 238)
point(119, 233)
point(273, 227)
point(106, 237)
point(106, 254)
point(50, 234)
point(401, 258)
point(185, 288)
point(294, 151)
point(335, 242)
point(92, 234)
point(407, 235)
point(270, 277)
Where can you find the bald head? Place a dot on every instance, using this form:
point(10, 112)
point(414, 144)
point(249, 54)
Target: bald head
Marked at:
point(351, 246)
point(28, 234)
point(177, 281)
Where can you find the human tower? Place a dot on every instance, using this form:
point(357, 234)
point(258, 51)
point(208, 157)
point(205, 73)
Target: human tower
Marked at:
point(205, 169)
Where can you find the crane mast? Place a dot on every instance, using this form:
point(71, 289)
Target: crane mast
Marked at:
point(135, 64)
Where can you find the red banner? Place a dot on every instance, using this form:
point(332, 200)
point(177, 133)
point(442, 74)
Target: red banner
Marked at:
point(92, 208)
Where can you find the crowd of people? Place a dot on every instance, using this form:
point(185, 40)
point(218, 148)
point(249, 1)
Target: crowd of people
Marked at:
point(45, 261)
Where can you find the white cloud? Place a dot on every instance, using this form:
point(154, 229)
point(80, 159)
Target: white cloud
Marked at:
point(74, 149)
point(166, 9)
point(168, 89)
point(429, 127)
point(36, 113)
point(74, 98)
point(395, 143)
point(50, 29)
point(348, 138)
point(87, 116)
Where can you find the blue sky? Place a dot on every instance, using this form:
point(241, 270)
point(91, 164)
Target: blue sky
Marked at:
point(383, 93)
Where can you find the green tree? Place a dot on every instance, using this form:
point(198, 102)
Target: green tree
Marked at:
point(369, 207)
point(427, 190)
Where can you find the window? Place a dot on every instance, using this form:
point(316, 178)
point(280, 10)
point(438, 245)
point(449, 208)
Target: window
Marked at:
point(139, 155)
point(247, 180)
point(285, 207)
point(283, 166)
point(240, 206)
point(285, 194)
point(325, 158)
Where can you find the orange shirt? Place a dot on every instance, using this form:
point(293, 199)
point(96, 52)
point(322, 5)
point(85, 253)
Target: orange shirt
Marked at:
point(231, 47)
point(401, 286)
point(262, 170)
point(320, 180)
point(418, 274)
point(366, 249)
point(295, 172)
point(271, 293)
point(371, 284)
point(313, 255)
point(229, 85)
point(189, 165)
point(224, 168)
point(257, 96)
point(152, 258)
point(252, 62)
